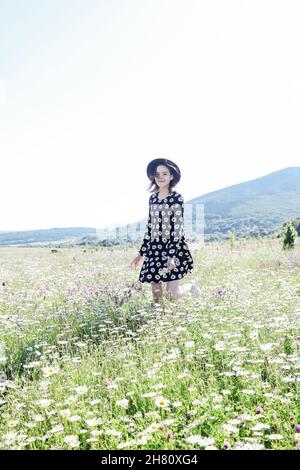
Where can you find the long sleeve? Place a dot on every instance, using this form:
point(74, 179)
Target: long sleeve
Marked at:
point(176, 231)
point(145, 245)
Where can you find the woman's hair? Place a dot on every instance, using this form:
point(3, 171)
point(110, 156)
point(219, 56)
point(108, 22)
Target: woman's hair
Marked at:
point(153, 187)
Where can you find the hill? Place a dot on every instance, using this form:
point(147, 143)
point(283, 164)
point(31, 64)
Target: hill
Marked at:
point(253, 208)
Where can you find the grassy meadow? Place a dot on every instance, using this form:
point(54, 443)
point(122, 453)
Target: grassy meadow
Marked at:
point(87, 363)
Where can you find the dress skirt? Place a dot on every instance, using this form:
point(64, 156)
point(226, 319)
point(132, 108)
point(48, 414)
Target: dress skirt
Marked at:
point(157, 250)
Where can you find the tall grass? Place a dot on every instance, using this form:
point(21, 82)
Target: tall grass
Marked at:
point(87, 364)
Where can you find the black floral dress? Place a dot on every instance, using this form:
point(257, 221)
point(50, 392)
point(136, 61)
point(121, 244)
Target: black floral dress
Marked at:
point(164, 238)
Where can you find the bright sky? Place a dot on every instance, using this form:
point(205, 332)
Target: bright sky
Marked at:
point(92, 90)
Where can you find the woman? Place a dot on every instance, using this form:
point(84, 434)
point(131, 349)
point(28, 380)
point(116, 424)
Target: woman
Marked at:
point(167, 258)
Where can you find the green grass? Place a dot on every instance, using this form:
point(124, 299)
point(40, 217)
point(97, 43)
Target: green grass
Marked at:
point(217, 372)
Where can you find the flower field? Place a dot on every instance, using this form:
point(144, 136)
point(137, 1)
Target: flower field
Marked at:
point(87, 363)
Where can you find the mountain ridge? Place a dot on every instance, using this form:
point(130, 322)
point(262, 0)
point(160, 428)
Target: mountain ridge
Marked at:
point(252, 207)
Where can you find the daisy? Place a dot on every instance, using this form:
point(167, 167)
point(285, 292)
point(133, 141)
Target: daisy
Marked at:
point(230, 429)
point(38, 418)
point(162, 402)
point(158, 387)
point(93, 421)
point(260, 427)
point(189, 344)
point(177, 404)
point(57, 428)
point(95, 402)
point(81, 389)
point(113, 432)
point(122, 445)
point(274, 437)
point(44, 402)
point(72, 441)
point(142, 440)
point(65, 413)
point(123, 403)
point(149, 394)
point(74, 418)
point(266, 347)
point(50, 370)
point(201, 441)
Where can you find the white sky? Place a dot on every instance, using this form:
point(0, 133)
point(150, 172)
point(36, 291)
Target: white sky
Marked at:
point(92, 90)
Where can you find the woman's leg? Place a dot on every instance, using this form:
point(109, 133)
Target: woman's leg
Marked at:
point(175, 291)
point(157, 292)
point(172, 288)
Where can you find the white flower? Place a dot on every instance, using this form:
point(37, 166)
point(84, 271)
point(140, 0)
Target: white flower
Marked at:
point(234, 421)
point(177, 404)
point(169, 421)
point(93, 421)
point(97, 432)
point(81, 389)
point(288, 379)
point(266, 347)
point(123, 403)
point(95, 402)
point(32, 365)
point(72, 441)
point(201, 441)
point(112, 386)
point(44, 402)
point(50, 370)
point(74, 418)
point(71, 399)
point(142, 440)
point(152, 428)
point(246, 417)
point(57, 428)
point(220, 346)
point(10, 437)
point(189, 344)
point(197, 402)
point(122, 445)
point(161, 402)
point(275, 437)
point(158, 387)
point(230, 429)
point(149, 394)
point(248, 446)
point(113, 432)
point(38, 418)
point(65, 413)
point(152, 414)
point(44, 383)
point(260, 427)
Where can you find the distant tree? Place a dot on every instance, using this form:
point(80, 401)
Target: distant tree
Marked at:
point(289, 235)
point(296, 224)
point(232, 238)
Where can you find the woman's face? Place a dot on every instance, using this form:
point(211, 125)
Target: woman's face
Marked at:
point(163, 176)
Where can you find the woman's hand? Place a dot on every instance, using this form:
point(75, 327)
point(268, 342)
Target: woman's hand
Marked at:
point(170, 264)
point(135, 262)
